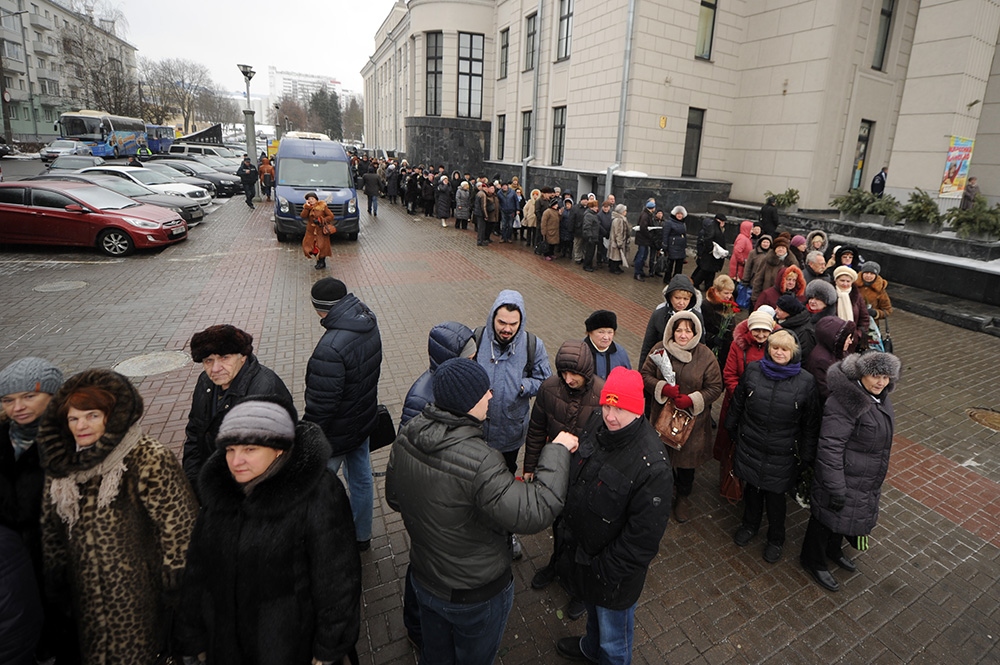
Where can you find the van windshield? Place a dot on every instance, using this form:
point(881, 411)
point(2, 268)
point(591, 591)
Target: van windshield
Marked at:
point(295, 172)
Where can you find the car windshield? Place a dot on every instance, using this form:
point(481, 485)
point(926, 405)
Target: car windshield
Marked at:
point(70, 162)
point(123, 187)
point(213, 161)
point(147, 177)
point(199, 168)
point(62, 144)
point(163, 169)
point(225, 152)
point(103, 199)
point(313, 173)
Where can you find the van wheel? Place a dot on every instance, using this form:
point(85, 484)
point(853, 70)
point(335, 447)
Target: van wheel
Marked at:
point(352, 236)
point(115, 242)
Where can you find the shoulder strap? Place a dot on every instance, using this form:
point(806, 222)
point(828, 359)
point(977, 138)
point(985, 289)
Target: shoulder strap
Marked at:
point(477, 335)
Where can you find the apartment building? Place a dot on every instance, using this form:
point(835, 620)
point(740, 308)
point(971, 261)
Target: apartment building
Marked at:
point(697, 98)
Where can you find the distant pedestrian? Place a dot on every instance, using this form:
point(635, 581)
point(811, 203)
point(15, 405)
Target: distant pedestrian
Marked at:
point(319, 226)
point(878, 182)
point(769, 217)
point(463, 206)
point(442, 200)
point(970, 194)
point(711, 251)
point(674, 242)
point(372, 187)
point(266, 177)
point(247, 173)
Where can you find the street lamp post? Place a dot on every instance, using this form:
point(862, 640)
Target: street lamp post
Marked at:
point(277, 123)
point(251, 132)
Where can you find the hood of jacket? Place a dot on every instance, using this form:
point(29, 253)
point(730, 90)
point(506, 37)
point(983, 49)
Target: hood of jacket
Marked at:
point(676, 318)
point(817, 234)
point(56, 446)
point(349, 313)
point(843, 249)
point(446, 341)
point(761, 237)
point(291, 483)
point(800, 281)
point(507, 296)
point(832, 332)
point(574, 356)
point(746, 227)
point(682, 282)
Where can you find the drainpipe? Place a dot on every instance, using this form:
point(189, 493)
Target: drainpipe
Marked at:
point(524, 169)
point(623, 101)
point(534, 96)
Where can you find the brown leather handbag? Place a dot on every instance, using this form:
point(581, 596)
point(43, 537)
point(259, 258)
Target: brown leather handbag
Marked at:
point(674, 425)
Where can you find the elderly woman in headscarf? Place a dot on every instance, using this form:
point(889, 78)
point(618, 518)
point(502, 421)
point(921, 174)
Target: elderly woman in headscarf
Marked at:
point(851, 305)
point(852, 459)
point(319, 223)
point(686, 372)
point(117, 515)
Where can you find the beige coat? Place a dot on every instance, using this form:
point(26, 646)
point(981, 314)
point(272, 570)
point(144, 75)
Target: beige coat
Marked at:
point(620, 238)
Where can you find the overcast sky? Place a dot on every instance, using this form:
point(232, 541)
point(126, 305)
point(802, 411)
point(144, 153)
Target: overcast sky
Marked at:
point(328, 37)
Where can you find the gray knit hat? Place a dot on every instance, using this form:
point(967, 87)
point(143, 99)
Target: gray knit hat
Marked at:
point(30, 375)
point(459, 384)
point(870, 266)
point(258, 422)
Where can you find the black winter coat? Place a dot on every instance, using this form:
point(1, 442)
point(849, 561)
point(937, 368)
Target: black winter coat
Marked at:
point(20, 605)
point(204, 420)
point(852, 458)
point(273, 576)
point(616, 511)
point(21, 492)
point(576, 219)
point(442, 200)
point(710, 233)
point(342, 375)
point(674, 238)
point(643, 236)
point(773, 423)
point(802, 325)
point(831, 334)
point(591, 227)
point(769, 219)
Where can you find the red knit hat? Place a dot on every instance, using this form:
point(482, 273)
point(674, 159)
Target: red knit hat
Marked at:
point(623, 388)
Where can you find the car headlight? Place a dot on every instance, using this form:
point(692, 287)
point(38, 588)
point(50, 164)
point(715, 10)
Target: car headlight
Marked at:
point(173, 193)
point(352, 206)
point(283, 204)
point(141, 223)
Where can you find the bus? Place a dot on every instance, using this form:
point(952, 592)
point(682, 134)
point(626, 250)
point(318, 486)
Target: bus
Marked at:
point(159, 138)
point(107, 135)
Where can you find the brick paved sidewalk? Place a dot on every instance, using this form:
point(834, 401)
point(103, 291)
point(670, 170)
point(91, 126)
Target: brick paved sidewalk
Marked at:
point(927, 591)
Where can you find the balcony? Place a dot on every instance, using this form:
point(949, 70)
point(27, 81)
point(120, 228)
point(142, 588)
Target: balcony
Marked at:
point(42, 48)
point(40, 22)
point(42, 73)
point(12, 65)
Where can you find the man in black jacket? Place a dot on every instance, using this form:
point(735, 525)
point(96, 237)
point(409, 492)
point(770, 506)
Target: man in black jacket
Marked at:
point(247, 173)
point(342, 391)
point(231, 371)
point(617, 508)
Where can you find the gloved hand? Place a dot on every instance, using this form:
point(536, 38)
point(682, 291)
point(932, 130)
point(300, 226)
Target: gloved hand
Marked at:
point(683, 402)
point(837, 502)
point(670, 391)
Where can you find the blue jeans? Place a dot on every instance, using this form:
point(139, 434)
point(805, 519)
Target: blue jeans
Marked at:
point(640, 258)
point(460, 633)
point(506, 224)
point(373, 204)
point(609, 635)
point(358, 473)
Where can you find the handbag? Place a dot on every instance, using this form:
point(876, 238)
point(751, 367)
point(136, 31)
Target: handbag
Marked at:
point(674, 425)
point(328, 228)
point(886, 339)
point(743, 292)
point(384, 432)
point(730, 487)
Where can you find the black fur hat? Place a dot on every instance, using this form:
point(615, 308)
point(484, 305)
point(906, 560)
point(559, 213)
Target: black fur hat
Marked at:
point(221, 339)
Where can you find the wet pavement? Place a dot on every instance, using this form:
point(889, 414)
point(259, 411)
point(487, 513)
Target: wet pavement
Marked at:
point(928, 591)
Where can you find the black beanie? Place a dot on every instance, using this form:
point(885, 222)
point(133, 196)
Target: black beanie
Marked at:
point(222, 339)
point(326, 292)
point(459, 384)
point(602, 318)
point(790, 305)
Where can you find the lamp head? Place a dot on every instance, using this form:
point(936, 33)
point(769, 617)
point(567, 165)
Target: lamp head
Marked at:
point(247, 71)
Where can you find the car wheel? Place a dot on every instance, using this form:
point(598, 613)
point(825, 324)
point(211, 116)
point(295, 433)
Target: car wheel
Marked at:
point(352, 236)
point(115, 242)
point(282, 237)
point(116, 152)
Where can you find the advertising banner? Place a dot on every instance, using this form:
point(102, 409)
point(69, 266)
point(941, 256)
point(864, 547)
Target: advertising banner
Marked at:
point(956, 168)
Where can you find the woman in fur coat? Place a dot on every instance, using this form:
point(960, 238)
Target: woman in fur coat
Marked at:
point(274, 574)
point(618, 243)
point(852, 459)
point(316, 243)
point(117, 514)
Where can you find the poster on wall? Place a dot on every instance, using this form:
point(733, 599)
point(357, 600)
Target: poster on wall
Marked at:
point(956, 168)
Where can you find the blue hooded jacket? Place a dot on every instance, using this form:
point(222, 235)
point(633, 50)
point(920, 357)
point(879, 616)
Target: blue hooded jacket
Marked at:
point(507, 420)
point(446, 341)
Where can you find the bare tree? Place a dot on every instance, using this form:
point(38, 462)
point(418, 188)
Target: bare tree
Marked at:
point(113, 91)
point(153, 93)
point(290, 108)
point(183, 82)
point(216, 107)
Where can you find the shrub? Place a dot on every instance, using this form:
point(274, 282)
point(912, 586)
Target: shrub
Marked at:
point(786, 199)
point(887, 206)
point(922, 209)
point(980, 218)
point(855, 202)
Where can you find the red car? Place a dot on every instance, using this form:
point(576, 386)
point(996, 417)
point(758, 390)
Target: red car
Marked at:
point(74, 213)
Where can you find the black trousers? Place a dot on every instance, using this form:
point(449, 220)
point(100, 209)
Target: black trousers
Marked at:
point(249, 190)
point(674, 267)
point(683, 481)
point(819, 544)
point(589, 247)
point(702, 276)
point(482, 231)
point(754, 502)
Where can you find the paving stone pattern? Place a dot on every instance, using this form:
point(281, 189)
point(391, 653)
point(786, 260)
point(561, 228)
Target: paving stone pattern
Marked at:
point(926, 592)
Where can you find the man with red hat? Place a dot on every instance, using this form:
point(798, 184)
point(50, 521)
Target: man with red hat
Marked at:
point(616, 511)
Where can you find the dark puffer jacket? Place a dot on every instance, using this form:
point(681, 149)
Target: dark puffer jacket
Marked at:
point(342, 375)
point(273, 576)
point(591, 226)
point(459, 502)
point(209, 404)
point(773, 422)
point(446, 341)
point(674, 241)
point(21, 493)
point(831, 333)
point(643, 236)
point(20, 606)
point(853, 453)
point(558, 407)
point(616, 512)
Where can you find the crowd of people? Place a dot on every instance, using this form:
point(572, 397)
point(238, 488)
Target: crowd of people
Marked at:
point(249, 549)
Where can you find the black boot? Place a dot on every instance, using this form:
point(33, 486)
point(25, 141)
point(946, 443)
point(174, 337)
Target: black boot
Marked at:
point(321, 263)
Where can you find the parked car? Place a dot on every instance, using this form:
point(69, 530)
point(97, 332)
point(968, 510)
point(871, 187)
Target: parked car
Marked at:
point(155, 181)
point(215, 185)
point(73, 162)
point(189, 211)
point(220, 164)
point(4, 148)
point(61, 147)
point(72, 213)
point(226, 184)
point(201, 149)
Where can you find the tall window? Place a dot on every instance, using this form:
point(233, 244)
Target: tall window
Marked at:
point(565, 29)
point(435, 71)
point(504, 51)
point(501, 135)
point(558, 135)
point(525, 134)
point(530, 34)
point(882, 40)
point(692, 142)
point(706, 29)
point(470, 75)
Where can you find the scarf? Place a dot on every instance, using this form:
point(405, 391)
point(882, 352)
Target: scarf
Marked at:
point(269, 472)
point(776, 372)
point(65, 492)
point(844, 308)
point(22, 437)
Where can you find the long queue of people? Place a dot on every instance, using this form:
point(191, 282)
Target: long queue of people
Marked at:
point(250, 550)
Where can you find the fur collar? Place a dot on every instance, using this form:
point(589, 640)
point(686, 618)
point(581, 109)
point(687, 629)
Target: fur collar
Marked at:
point(292, 484)
point(57, 448)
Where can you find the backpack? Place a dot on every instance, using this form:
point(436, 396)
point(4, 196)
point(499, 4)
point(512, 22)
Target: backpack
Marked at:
point(477, 334)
